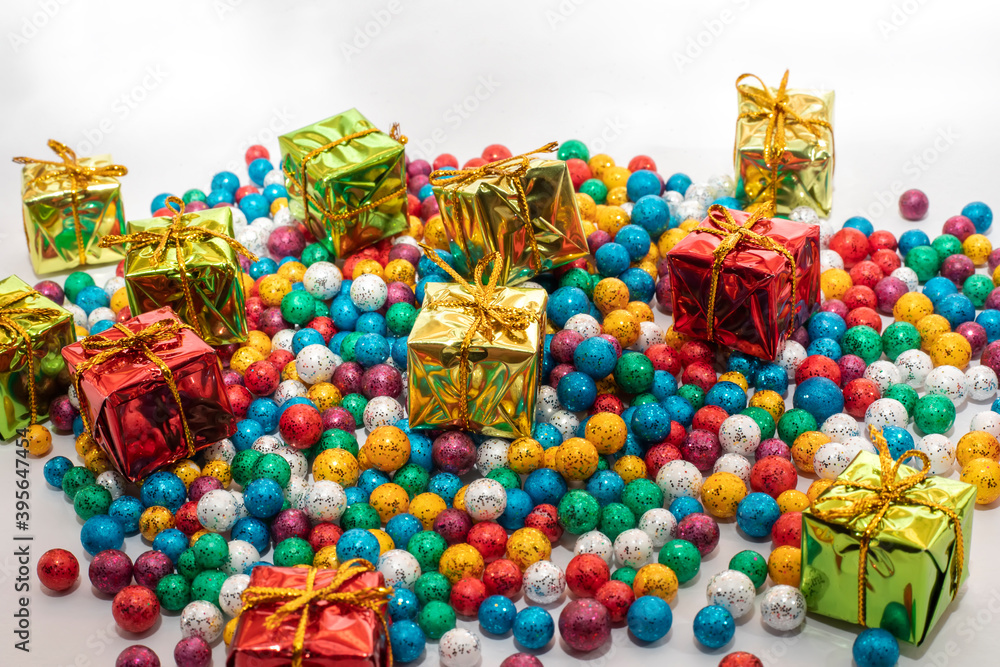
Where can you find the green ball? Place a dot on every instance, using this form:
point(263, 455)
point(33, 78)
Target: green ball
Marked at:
point(507, 478)
point(934, 413)
point(91, 500)
point(194, 194)
point(355, 404)
point(573, 148)
point(75, 479)
point(752, 564)
point(293, 551)
point(905, 394)
point(187, 564)
point(924, 261)
point(643, 399)
point(413, 478)
point(615, 519)
point(642, 495)
point(436, 618)
point(596, 188)
point(634, 372)
point(682, 557)
point(207, 586)
point(174, 592)
point(945, 246)
point(578, 278)
point(52, 364)
point(763, 419)
point(625, 574)
point(211, 551)
point(977, 287)
point(427, 547)
point(400, 317)
point(578, 512)
point(314, 252)
point(794, 423)
point(298, 307)
point(321, 309)
point(273, 466)
point(360, 515)
point(432, 586)
point(335, 438)
point(862, 341)
point(76, 281)
point(347, 345)
point(896, 619)
point(899, 337)
point(243, 464)
point(602, 464)
point(693, 394)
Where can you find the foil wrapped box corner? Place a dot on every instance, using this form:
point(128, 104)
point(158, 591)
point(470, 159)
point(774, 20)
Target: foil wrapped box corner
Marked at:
point(136, 420)
point(504, 372)
point(909, 559)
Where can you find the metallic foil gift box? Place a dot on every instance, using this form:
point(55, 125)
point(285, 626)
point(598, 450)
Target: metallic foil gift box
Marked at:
point(68, 207)
point(523, 208)
point(188, 262)
point(744, 281)
point(887, 549)
point(151, 392)
point(474, 355)
point(33, 331)
point(784, 147)
point(346, 181)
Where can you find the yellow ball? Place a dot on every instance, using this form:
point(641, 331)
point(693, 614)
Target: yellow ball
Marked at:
point(325, 395)
point(623, 326)
point(526, 455)
point(931, 327)
point(366, 266)
point(599, 164)
point(80, 332)
point(641, 311)
point(977, 248)
point(951, 349)
point(197, 535)
point(243, 357)
point(617, 195)
point(588, 227)
point(615, 177)
point(389, 500)
point(550, 458)
point(85, 443)
point(607, 431)
point(588, 209)
point(426, 507)
point(461, 560)
point(96, 461)
point(611, 219)
point(400, 270)
point(415, 229)
point(387, 448)
point(769, 400)
point(817, 488)
point(230, 630)
point(610, 294)
point(792, 500)
point(834, 283)
point(327, 558)
point(976, 445)
point(290, 371)
point(220, 471)
point(435, 234)
point(911, 307)
point(37, 440)
point(272, 289)
point(655, 579)
point(721, 493)
point(155, 520)
point(996, 276)
point(119, 299)
point(736, 378)
point(292, 271)
point(784, 565)
point(630, 468)
point(259, 341)
point(984, 474)
point(336, 465)
point(805, 447)
point(674, 338)
point(526, 546)
point(458, 502)
point(607, 385)
point(385, 542)
point(669, 239)
point(577, 458)
point(278, 204)
point(247, 282)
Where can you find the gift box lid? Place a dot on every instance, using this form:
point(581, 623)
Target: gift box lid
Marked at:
point(358, 155)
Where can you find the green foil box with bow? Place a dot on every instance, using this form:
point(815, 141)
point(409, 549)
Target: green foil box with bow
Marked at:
point(918, 531)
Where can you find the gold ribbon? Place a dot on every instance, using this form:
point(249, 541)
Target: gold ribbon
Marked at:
point(891, 490)
point(732, 234)
point(15, 330)
point(142, 343)
point(301, 186)
point(298, 600)
point(514, 168)
point(774, 107)
point(177, 234)
point(80, 175)
point(489, 317)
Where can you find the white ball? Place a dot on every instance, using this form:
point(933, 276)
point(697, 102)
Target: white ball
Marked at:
point(283, 340)
point(678, 479)
point(700, 192)
point(295, 492)
point(485, 499)
point(369, 292)
point(840, 427)
point(584, 324)
point(263, 224)
point(544, 582)
point(217, 510)
point(241, 556)
point(858, 444)
point(241, 508)
point(733, 591)
point(238, 216)
point(283, 217)
point(113, 284)
point(886, 412)
point(723, 184)
point(78, 313)
point(201, 618)
point(831, 459)
point(826, 233)
point(274, 177)
point(114, 482)
point(297, 461)
point(988, 421)
point(223, 450)
point(791, 357)
point(400, 568)
point(267, 444)
point(315, 363)
point(981, 382)
point(783, 608)
point(98, 314)
point(830, 259)
point(74, 400)
point(914, 365)
point(231, 593)
point(691, 209)
point(382, 411)
point(323, 280)
point(595, 542)
point(806, 214)
point(253, 239)
point(492, 454)
point(947, 380)
point(739, 434)
point(940, 450)
point(546, 403)
point(883, 373)
point(633, 548)
point(325, 501)
point(736, 464)
point(459, 648)
point(565, 422)
point(289, 389)
point(650, 333)
point(908, 276)
point(659, 524)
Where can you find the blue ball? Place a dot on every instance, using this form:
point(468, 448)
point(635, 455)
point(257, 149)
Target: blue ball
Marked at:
point(875, 647)
point(635, 240)
point(980, 214)
point(631, 448)
point(159, 201)
point(496, 615)
point(216, 197)
point(643, 183)
point(371, 479)
point(126, 510)
point(446, 485)
point(519, 505)
point(577, 391)
point(371, 349)
point(264, 266)
point(226, 180)
point(650, 423)
point(372, 323)
point(407, 640)
point(820, 397)
point(566, 302)
point(343, 312)
point(275, 191)
point(254, 206)
point(990, 320)
point(547, 435)
point(247, 432)
point(355, 495)
point(910, 239)
point(92, 297)
point(714, 626)
point(77, 426)
point(258, 169)
point(55, 469)
point(652, 214)
point(305, 337)
point(100, 533)
point(756, 514)
point(898, 439)
point(263, 497)
point(336, 340)
point(641, 286)
point(683, 506)
point(164, 489)
point(995, 407)
point(170, 542)
point(664, 385)
point(773, 377)
point(679, 409)
point(956, 308)
point(727, 395)
point(825, 324)
point(399, 350)
point(357, 543)
point(425, 191)
point(100, 326)
point(649, 618)
point(595, 356)
point(937, 288)
point(252, 531)
point(611, 259)
point(265, 412)
point(533, 628)
point(545, 486)
point(285, 260)
point(606, 486)
point(426, 267)
point(732, 203)
point(402, 527)
point(403, 604)
point(743, 363)
point(826, 347)
point(679, 183)
point(861, 224)
point(421, 450)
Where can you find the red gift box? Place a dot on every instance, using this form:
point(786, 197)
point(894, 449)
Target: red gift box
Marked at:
point(131, 409)
point(344, 627)
point(752, 259)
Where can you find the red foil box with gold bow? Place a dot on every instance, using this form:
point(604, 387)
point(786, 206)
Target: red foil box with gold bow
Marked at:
point(68, 207)
point(151, 392)
point(744, 281)
point(310, 617)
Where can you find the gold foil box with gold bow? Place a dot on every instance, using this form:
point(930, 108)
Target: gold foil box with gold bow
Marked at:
point(68, 206)
point(346, 181)
point(784, 147)
point(33, 331)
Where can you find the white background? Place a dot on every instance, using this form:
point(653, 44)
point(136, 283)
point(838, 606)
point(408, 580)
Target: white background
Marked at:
point(177, 91)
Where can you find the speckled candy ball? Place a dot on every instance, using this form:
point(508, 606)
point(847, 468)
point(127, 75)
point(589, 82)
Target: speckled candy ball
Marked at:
point(135, 609)
point(700, 530)
point(533, 628)
point(485, 499)
point(369, 292)
point(783, 608)
point(400, 568)
point(875, 647)
point(150, 567)
point(110, 571)
point(192, 652)
point(459, 648)
point(201, 619)
point(544, 582)
point(732, 590)
point(58, 569)
point(454, 452)
point(138, 655)
point(585, 625)
point(316, 363)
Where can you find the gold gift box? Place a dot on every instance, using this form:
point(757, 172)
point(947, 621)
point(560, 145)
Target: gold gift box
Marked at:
point(346, 181)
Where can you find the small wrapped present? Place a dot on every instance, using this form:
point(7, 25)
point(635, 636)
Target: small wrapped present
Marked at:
point(886, 545)
point(474, 354)
point(522, 208)
point(784, 147)
point(33, 330)
point(311, 617)
point(744, 281)
point(188, 262)
point(346, 181)
point(68, 207)
point(151, 392)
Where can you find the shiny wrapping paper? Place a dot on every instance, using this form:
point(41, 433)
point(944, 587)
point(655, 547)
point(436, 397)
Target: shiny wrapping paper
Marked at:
point(804, 166)
point(361, 179)
point(504, 373)
point(484, 216)
point(336, 634)
point(49, 334)
point(213, 273)
point(910, 559)
point(134, 415)
point(754, 304)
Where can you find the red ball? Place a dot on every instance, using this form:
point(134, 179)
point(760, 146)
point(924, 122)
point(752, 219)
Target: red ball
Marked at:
point(677, 434)
point(242, 192)
point(887, 260)
point(135, 609)
point(240, 399)
point(324, 535)
point(256, 152)
point(866, 273)
point(545, 518)
point(324, 325)
point(617, 597)
point(787, 530)
point(474, 162)
point(641, 162)
point(773, 475)
point(445, 160)
point(858, 395)
point(466, 596)
point(578, 171)
point(58, 569)
point(503, 577)
point(120, 269)
point(585, 625)
point(709, 418)
point(695, 350)
point(412, 204)
point(859, 296)
point(664, 358)
point(280, 358)
point(262, 378)
point(489, 538)
point(186, 519)
point(881, 239)
point(495, 152)
point(741, 659)
point(851, 245)
point(660, 455)
point(585, 574)
point(701, 374)
point(864, 316)
point(301, 426)
point(608, 403)
point(817, 365)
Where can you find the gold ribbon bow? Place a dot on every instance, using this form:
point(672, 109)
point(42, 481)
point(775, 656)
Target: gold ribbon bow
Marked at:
point(140, 342)
point(774, 107)
point(489, 317)
point(177, 234)
point(514, 168)
point(891, 490)
point(80, 175)
point(15, 330)
point(298, 600)
point(732, 234)
point(298, 186)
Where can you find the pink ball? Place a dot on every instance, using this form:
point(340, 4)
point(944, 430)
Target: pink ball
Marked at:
point(887, 291)
point(835, 306)
point(614, 343)
point(991, 356)
point(51, 290)
point(347, 378)
point(410, 253)
point(800, 336)
point(913, 205)
point(701, 448)
point(428, 208)
point(414, 183)
point(400, 293)
point(202, 485)
point(957, 268)
point(993, 300)
point(290, 523)
point(286, 241)
point(338, 417)
point(564, 344)
point(663, 294)
point(381, 380)
point(231, 377)
point(773, 447)
point(271, 321)
point(993, 261)
point(521, 660)
point(62, 413)
point(597, 239)
point(558, 373)
point(137, 655)
point(700, 530)
point(110, 571)
point(192, 652)
point(975, 333)
point(959, 226)
point(150, 567)
point(418, 168)
point(453, 525)
point(585, 624)
point(852, 367)
point(454, 452)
